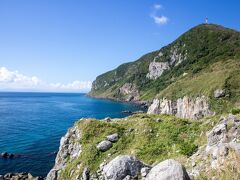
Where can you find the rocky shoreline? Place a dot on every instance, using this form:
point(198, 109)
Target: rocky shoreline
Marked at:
point(20, 176)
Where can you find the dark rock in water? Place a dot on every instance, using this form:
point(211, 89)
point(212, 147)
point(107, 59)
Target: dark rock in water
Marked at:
point(127, 112)
point(20, 176)
point(4, 155)
point(138, 112)
point(7, 155)
point(11, 156)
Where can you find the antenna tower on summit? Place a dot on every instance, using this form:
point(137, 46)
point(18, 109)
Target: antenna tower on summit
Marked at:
point(206, 20)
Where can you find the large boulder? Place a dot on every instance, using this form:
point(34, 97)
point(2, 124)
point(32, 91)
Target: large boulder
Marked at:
point(104, 145)
point(113, 137)
point(168, 170)
point(121, 167)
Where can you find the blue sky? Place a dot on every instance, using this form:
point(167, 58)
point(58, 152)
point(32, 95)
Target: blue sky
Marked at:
point(62, 42)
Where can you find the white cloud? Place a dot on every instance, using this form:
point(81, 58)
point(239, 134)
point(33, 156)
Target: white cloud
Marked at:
point(13, 80)
point(160, 20)
point(75, 85)
point(157, 6)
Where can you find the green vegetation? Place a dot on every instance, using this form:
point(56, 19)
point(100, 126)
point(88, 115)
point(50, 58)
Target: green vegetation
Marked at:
point(140, 135)
point(235, 111)
point(211, 56)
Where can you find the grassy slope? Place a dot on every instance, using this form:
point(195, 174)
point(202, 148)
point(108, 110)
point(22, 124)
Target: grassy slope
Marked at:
point(212, 53)
point(150, 141)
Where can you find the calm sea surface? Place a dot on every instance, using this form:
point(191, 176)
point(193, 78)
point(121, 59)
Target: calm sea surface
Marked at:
point(31, 124)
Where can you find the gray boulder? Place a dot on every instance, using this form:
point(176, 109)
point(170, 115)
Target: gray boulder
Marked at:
point(113, 137)
point(145, 171)
point(121, 167)
point(168, 170)
point(217, 134)
point(219, 93)
point(104, 145)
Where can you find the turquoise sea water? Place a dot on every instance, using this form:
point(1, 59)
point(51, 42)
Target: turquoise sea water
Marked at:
point(31, 125)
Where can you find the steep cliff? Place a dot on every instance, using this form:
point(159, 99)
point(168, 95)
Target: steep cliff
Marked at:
point(202, 60)
point(144, 146)
point(188, 108)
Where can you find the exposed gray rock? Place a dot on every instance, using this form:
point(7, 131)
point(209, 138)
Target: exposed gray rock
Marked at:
point(145, 171)
point(168, 170)
point(104, 145)
point(176, 57)
point(217, 134)
point(223, 137)
point(185, 107)
point(130, 91)
point(69, 150)
point(219, 93)
point(86, 174)
point(113, 137)
point(154, 108)
point(156, 69)
point(122, 166)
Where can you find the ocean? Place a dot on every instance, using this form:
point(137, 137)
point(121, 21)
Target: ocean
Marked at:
point(31, 125)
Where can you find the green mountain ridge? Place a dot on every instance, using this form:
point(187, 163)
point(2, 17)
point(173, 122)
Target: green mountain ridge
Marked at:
point(201, 60)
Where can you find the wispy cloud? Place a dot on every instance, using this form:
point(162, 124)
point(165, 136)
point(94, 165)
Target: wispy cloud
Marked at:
point(158, 19)
point(157, 6)
point(14, 80)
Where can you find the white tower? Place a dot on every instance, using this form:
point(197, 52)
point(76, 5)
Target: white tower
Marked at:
point(206, 20)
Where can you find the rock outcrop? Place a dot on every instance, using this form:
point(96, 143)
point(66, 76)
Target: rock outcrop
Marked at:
point(130, 92)
point(69, 149)
point(183, 107)
point(168, 169)
point(156, 69)
point(223, 138)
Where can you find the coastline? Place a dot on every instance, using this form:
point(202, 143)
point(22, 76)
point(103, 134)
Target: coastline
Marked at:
point(143, 104)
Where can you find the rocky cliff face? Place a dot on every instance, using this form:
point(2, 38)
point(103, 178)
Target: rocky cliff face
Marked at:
point(156, 69)
point(129, 92)
point(188, 108)
point(69, 150)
